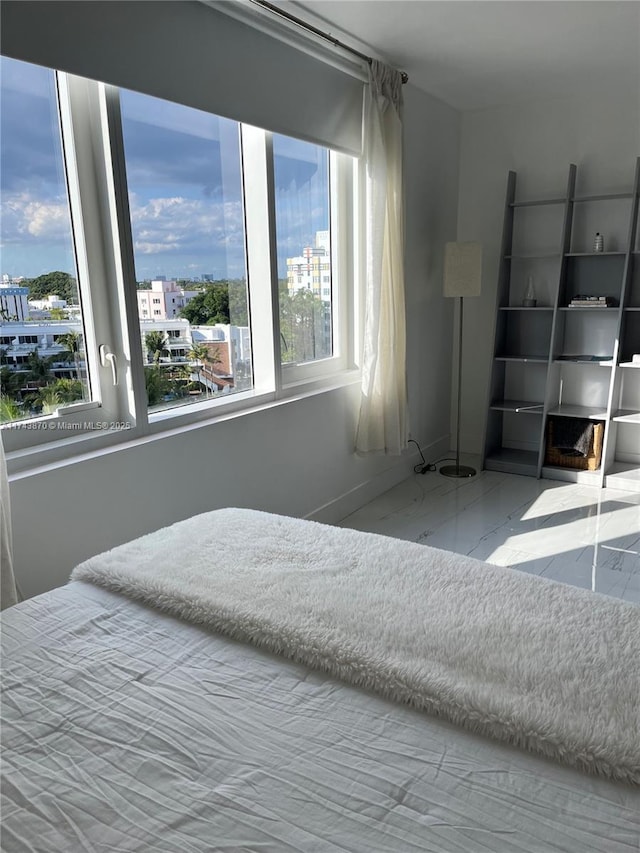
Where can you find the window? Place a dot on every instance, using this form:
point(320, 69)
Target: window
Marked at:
point(111, 195)
point(184, 178)
point(38, 248)
point(301, 172)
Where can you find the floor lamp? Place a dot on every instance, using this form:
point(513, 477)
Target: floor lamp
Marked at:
point(462, 277)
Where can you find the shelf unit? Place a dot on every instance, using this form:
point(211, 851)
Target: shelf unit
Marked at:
point(554, 360)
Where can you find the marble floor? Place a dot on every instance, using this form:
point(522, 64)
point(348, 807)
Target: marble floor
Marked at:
point(572, 533)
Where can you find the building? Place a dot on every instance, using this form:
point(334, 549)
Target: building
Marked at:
point(163, 300)
point(13, 302)
point(19, 341)
point(177, 334)
point(230, 355)
point(312, 269)
point(50, 302)
point(230, 347)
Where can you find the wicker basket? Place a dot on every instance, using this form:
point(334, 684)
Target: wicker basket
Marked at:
point(590, 462)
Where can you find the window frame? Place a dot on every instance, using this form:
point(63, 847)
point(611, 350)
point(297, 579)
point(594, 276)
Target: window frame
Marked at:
point(93, 152)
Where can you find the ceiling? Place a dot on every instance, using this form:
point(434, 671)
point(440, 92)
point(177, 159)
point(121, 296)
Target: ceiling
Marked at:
point(475, 54)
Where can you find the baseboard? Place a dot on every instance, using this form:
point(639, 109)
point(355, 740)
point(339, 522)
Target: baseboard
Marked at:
point(400, 468)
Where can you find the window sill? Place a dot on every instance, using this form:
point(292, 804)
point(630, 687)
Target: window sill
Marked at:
point(37, 460)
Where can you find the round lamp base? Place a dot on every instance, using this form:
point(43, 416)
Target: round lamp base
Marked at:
point(457, 471)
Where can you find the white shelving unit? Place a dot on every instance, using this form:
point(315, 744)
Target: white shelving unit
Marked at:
point(554, 360)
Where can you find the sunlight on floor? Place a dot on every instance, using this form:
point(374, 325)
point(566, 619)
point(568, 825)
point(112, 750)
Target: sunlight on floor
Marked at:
point(568, 532)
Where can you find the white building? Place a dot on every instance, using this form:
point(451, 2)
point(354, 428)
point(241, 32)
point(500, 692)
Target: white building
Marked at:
point(232, 347)
point(229, 345)
point(49, 302)
point(312, 269)
point(19, 340)
point(177, 332)
point(232, 344)
point(14, 303)
point(163, 300)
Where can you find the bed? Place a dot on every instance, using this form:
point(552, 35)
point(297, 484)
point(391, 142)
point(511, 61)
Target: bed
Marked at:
point(127, 728)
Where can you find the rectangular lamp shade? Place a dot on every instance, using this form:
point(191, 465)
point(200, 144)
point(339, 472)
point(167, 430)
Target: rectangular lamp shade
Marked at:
point(462, 269)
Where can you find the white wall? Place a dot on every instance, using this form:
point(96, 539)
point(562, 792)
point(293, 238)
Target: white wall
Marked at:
point(296, 458)
point(431, 172)
point(538, 140)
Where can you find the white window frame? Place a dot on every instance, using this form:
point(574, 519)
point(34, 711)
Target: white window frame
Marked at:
point(94, 160)
point(83, 164)
point(343, 289)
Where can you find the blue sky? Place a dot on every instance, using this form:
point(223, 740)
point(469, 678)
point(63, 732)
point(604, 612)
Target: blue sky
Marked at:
point(183, 172)
point(35, 226)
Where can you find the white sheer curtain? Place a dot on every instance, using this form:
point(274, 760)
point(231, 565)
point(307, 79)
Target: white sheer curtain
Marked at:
point(383, 420)
point(8, 594)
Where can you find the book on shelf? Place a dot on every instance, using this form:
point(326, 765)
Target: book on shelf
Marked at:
point(580, 301)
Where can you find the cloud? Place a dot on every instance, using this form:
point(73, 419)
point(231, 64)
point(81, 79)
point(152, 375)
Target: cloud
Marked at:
point(189, 226)
point(25, 218)
point(47, 220)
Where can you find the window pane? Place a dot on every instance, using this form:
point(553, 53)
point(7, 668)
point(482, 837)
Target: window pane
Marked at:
point(42, 352)
point(304, 252)
point(187, 220)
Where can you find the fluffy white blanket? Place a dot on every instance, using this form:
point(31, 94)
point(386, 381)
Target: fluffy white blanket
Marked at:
point(542, 665)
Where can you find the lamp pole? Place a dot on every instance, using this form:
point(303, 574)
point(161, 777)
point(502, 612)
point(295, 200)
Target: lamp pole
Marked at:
point(458, 470)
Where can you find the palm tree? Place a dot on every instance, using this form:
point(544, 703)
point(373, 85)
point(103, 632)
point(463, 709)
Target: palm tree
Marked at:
point(68, 390)
point(11, 381)
point(49, 399)
point(179, 376)
point(72, 342)
point(155, 343)
point(199, 353)
point(9, 409)
point(156, 385)
point(39, 368)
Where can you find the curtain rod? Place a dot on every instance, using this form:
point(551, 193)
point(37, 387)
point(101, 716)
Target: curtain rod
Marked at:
point(310, 28)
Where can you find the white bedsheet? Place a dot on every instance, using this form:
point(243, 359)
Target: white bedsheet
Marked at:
point(127, 730)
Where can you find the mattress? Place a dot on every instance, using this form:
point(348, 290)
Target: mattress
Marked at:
point(126, 729)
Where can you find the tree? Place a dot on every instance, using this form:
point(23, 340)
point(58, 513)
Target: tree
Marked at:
point(156, 385)
point(53, 283)
point(48, 398)
point(238, 302)
point(39, 369)
point(199, 353)
point(72, 342)
point(68, 390)
point(179, 376)
point(303, 316)
point(9, 409)
point(155, 343)
point(11, 382)
point(210, 306)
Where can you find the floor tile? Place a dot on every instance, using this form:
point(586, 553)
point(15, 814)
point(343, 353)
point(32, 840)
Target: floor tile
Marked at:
point(572, 533)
